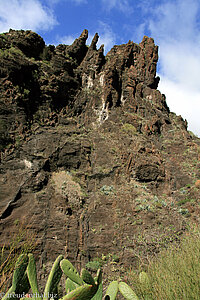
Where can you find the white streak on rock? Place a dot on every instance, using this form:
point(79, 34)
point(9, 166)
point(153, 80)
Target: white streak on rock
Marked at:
point(28, 164)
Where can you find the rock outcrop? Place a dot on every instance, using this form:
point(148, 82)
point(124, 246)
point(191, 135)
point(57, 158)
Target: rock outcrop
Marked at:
point(91, 157)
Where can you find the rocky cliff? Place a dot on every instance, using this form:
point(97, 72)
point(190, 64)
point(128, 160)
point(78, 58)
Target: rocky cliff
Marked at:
point(91, 157)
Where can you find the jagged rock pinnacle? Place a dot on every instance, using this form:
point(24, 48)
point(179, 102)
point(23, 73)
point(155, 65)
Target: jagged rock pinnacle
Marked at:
point(94, 41)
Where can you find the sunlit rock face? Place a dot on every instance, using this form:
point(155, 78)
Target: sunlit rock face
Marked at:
point(92, 160)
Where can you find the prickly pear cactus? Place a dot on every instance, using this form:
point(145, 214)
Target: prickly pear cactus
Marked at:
point(70, 285)
point(99, 293)
point(70, 271)
point(78, 287)
point(112, 290)
point(32, 277)
point(83, 292)
point(87, 286)
point(87, 277)
point(19, 280)
point(127, 292)
point(53, 279)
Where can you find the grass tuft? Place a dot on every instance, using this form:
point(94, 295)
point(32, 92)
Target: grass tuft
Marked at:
point(24, 241)
point(174, 274)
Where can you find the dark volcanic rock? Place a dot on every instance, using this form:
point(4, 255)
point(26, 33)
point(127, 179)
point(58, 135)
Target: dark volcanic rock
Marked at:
point(30, 43)
point(149, 172)
point(91, 157)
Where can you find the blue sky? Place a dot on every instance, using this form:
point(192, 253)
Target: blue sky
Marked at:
point(174, 25)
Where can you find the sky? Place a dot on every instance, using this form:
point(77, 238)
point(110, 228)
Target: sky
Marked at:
point(174, 25)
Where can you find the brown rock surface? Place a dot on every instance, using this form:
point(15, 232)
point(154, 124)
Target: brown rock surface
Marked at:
point(91, 157)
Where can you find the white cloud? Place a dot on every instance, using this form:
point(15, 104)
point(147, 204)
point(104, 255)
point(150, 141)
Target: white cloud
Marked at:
point(180, 62)
point(182, 101)
point(176, 19)
point(25, 14)
point(122, 5)
point(53, 2)
point(67, 39)
point(106, 36)
point(79, 1)
point(138, 32)
point(175, 29)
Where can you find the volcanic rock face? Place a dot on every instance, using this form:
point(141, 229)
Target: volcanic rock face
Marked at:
point(91, 157)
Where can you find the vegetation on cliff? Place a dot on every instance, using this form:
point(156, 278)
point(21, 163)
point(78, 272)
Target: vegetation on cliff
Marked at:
point(173, 274)
point(91, 157)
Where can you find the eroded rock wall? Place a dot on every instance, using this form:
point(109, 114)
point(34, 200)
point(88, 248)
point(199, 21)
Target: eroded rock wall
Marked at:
point(91, 157)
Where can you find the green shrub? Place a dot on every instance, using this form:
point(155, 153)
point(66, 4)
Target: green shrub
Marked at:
point(183, 201)
point(93, 265)
point(107, 190)
point(174, 274)
point(129, 128)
